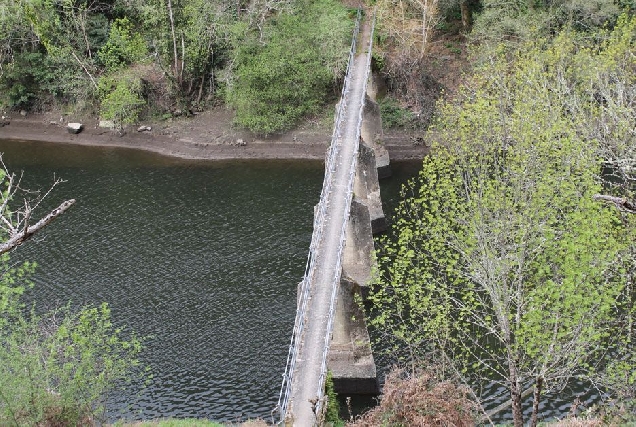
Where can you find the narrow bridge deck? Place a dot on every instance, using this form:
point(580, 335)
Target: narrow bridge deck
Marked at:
point(307, 376)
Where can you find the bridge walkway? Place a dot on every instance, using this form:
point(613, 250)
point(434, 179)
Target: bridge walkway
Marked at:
point(310, 367)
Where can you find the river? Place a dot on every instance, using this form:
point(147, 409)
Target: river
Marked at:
point(201, 257)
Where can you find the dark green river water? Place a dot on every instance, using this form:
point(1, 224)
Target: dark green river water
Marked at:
point(201, 257)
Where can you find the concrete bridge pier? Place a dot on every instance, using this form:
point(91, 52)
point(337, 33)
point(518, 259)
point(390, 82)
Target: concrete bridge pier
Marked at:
point(350, 358)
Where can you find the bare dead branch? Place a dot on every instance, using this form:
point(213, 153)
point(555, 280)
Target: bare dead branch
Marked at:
point(26, 232)
point(621, 203)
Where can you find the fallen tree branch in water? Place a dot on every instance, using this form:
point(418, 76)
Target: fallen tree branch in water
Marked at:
point(15, 227)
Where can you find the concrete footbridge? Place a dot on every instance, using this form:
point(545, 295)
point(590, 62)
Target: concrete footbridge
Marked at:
point(329, 331)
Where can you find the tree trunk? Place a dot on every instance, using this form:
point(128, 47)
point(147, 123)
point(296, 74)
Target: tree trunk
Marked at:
point(535, 401)
point(174, 42)
point(467, 17)
point(515, 396)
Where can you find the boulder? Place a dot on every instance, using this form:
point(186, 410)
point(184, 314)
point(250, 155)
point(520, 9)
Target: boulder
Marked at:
point(74, 127)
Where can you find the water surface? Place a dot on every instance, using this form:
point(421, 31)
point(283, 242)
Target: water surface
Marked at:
point(202, 257)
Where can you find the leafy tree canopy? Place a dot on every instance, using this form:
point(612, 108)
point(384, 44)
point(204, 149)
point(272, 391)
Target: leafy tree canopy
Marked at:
point(287, 70)
point(502, 267)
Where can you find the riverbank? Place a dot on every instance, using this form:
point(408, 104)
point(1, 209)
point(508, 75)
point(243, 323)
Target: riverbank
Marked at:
point(207, 136)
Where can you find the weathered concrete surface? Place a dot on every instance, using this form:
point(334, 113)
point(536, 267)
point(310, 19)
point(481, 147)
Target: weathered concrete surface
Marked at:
point(367, 188)
point(316, 335)
point(350, 358)
point(372, 135)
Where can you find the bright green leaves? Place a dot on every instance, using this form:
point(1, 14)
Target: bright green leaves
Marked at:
point(413, 298)
point(121, 90)
point(501, 260)
point(122, 98)
point(284, 72)
point(56, 369)
point(13, 281)
point(124, 46)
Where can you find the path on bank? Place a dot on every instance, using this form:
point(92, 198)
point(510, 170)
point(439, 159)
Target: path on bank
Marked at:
point(318, 292)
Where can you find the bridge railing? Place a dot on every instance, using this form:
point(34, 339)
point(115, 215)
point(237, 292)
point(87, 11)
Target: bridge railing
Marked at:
point(348, 198)
point(319, 218)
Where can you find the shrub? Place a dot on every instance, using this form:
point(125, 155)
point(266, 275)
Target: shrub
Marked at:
point(420, 400)
point(124, 46)
point(395, 116)
point(56, 369)
point(121, 98)
point(20, 80)
point(292, 73)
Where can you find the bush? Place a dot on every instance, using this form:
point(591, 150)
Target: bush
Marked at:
point(20, 80)
point(420, 400)
point(293, 73)
point(121, 98)
point(124, 46)
point(56, 369)
point(395, 116)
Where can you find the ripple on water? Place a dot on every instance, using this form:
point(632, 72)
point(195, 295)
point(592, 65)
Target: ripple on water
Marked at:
point(203, 258)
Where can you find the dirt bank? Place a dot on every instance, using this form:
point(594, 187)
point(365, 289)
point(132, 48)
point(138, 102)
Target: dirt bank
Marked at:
point(208, 135)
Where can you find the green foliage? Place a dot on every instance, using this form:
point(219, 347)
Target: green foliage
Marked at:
point(19, 81)
point(394, 115)
point(121, 98)
point(56, 369)
point(124, 46)
point(287, 72)
point(13, 282)
point(56, 52)
point(332, 411)
point(521, 20)
point(501, 263)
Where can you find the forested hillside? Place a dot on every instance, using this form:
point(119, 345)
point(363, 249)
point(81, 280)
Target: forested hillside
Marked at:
point(273, 61)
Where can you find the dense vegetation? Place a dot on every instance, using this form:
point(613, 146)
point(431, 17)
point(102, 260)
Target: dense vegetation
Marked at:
point(503, 266)
point(273, 61)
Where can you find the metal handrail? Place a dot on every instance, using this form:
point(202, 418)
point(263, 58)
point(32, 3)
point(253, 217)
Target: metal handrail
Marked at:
point(349, 197)
point(319, 216)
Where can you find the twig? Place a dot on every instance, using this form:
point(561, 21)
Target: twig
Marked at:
point(621, 203)
point(23, 235)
